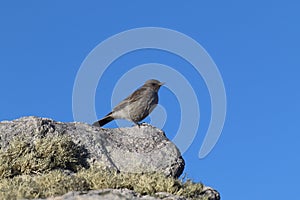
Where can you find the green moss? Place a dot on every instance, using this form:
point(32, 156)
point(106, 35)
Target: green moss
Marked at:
point(141, 183)
point(37, 170)
point(42, 155)
point(51, 184)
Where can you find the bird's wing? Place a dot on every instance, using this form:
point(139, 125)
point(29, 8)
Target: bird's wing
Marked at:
point(135, 96)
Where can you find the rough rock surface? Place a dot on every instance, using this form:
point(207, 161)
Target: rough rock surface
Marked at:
point(122, 194)
point(111, 194)
point(135, 149)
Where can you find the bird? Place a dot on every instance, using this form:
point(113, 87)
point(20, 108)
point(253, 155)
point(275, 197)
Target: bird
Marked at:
point(136, 106)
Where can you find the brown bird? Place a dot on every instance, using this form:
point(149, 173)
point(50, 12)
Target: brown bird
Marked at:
point(136, 106)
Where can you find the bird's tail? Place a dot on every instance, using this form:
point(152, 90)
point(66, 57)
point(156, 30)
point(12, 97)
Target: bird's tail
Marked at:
point(103, 121)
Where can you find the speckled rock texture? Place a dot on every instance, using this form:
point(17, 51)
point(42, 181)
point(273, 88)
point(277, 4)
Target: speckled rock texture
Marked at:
point(134, 149)
point(125, 194)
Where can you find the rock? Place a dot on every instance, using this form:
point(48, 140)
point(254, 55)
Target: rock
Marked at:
point(135, 149)
point(121, 194)
point(210, 193)
point(111, 194)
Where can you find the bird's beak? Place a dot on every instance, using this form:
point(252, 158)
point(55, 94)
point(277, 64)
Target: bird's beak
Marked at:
point(161, 83)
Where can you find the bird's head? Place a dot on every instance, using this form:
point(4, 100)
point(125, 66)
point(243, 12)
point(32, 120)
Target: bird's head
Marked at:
point(155, 84)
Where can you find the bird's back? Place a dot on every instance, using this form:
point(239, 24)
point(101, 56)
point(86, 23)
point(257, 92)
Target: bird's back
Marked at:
point(138, 105)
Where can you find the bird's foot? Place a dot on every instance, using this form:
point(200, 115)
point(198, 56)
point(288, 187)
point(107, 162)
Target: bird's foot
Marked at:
point(140, 124)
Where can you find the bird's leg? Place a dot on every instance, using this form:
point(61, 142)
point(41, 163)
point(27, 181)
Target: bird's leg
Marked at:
point(138, 124)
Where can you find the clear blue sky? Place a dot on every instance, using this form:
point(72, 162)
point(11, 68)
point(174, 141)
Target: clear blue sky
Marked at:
point(255, 45)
